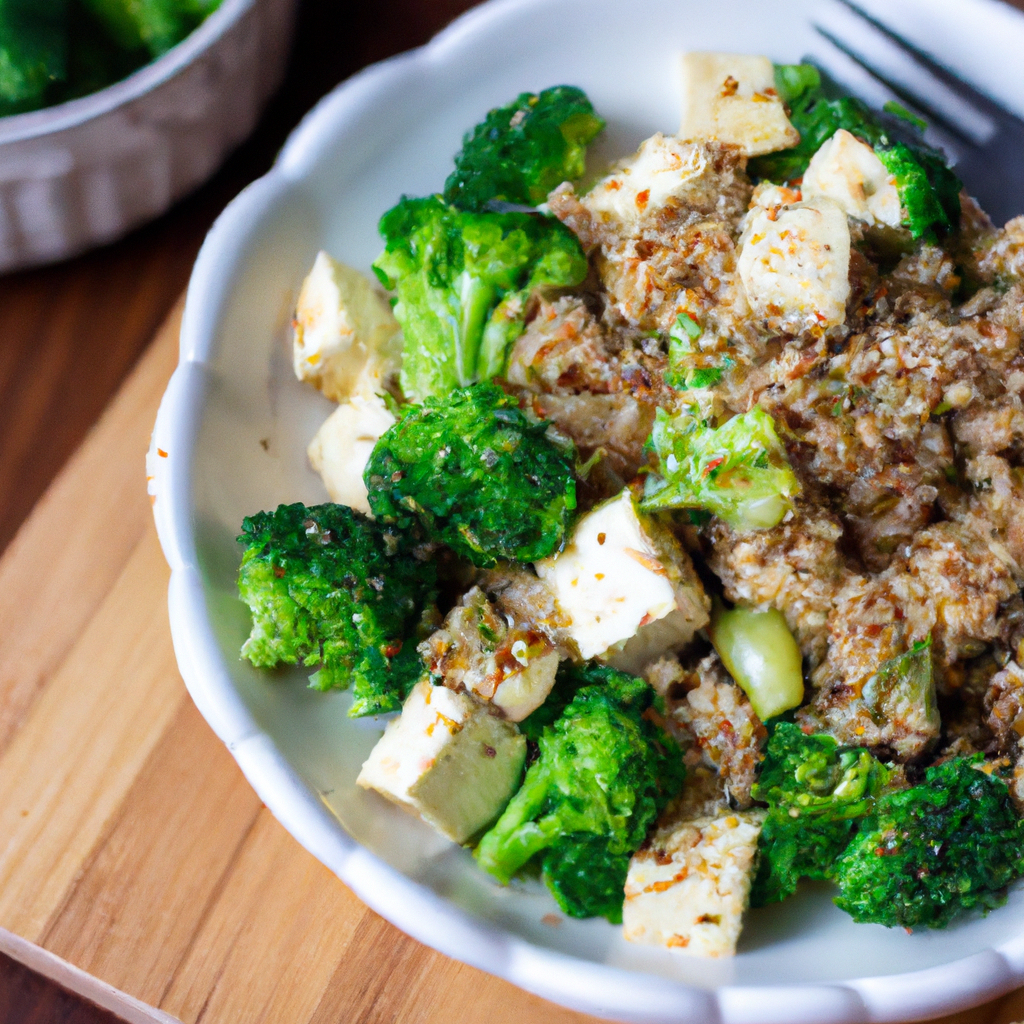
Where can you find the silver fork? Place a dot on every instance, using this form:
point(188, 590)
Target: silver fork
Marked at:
point(983, 140)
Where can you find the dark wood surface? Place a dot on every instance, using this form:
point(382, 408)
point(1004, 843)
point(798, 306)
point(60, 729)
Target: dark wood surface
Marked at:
point(29, 998)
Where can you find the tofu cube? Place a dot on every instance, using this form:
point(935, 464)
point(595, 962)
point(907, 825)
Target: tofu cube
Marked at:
point(794, 262)
point(657, 177)
point(849, 172)
point(345, 339)
point(523, 689)
point(731, 98)
point(447, 760)
point(689, 885)
point(497, 659)
point(625, 586)
point(343, 445)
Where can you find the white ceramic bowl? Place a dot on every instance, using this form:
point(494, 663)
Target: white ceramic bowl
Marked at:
point(86, 172)
point(235, 425)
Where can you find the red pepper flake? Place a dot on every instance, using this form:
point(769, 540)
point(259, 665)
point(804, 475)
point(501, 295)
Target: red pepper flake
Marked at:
point(392, 650)
point(161, 453)
point(713, 465)
point(643, 198)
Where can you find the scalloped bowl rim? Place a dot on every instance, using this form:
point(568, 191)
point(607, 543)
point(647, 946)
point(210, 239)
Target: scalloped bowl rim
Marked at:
point(606, 991)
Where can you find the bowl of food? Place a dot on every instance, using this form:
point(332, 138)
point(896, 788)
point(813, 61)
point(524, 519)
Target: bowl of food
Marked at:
point(112, 112)
point(589, 484)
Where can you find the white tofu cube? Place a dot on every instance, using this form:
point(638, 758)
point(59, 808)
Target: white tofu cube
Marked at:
point(731, 97)
point(497, 659)
point(794, 262)
point(689, 885)
point(345, 339)
point(626, 587)
point(848, 172)
point(447, 760)
point(343, 445)
point(656, 177)
point(523, 689)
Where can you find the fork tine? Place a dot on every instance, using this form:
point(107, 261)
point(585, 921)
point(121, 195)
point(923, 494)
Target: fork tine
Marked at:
point(947, 77)
point(850, 79)
point(921, 105)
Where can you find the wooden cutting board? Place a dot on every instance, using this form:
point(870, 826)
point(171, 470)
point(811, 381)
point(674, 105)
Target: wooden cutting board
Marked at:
point(130, 844)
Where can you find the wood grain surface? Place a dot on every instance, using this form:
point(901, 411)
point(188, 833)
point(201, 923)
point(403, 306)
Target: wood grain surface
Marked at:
point(131, 844)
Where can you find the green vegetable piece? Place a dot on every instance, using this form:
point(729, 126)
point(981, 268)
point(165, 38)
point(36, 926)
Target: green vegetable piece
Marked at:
point(520, 152)
point(603, 773)
point(921, 205)
point(477, 474)
point(688, 368)
point(326, 585)
point(794, 81)
point(94, 59)
point(929, 191)
point(463, 282)
point(900, 111)
point(738, 471)
point(759, 652)
point(586, 877)
point(152, 25)
point(928, 853)
point(903, 688)
point(816, 793)
point(33, 52)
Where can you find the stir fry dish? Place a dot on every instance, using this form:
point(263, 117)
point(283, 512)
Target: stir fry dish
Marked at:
point(677, 512)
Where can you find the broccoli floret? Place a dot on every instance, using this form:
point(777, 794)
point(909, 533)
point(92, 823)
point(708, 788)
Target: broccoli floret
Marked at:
point(328, 586)
point(477, 474)
point(951, 844)
point(687, 366)
point(929, 191)
point(520, 152)
point(569, 679)
point(33, 51)
point(816, 792)
point(463, 281)
point(603, 773)
point(738, 471)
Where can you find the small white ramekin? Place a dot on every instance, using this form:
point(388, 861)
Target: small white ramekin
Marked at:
point(86, 172)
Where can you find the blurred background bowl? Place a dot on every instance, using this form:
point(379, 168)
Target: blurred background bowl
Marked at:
point(88, 171)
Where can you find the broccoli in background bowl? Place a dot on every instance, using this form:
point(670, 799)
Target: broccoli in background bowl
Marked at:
point(57, 50)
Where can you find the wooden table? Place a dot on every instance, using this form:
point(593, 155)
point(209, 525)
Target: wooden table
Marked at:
point(130, 844)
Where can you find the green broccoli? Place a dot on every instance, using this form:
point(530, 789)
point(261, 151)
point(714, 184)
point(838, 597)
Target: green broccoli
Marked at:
point(816, 792)
point(94, 60)
point(33, 51)
point(463, 281)
point(477, 474)
point(929, 191)
point(687, 366)
point(738, 471)
point(568, 680)
point(603, 773)
point(151, 25)
point(326, 585)
point(951, 844)
point(520, 152)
